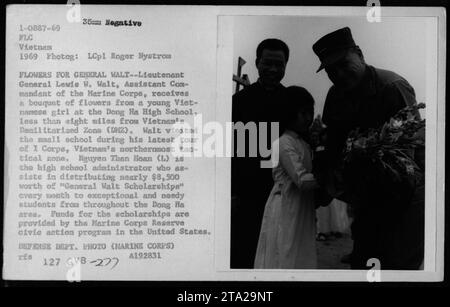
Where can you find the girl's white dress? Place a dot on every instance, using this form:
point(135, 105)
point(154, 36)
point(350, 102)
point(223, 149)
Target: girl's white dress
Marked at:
point(333, 218)
point(288, 230)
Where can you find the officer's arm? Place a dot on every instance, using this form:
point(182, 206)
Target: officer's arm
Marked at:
point(396, 96)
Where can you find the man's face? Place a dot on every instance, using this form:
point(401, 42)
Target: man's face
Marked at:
point(347, 72)
point(271, 67)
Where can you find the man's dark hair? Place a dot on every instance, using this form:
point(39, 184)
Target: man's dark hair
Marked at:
point(296, 99)
point(274, 45)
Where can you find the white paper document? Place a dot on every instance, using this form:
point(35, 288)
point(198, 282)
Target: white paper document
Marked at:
point(118, 136)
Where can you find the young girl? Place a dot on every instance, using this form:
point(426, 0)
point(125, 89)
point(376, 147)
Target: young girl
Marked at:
point(287, 237)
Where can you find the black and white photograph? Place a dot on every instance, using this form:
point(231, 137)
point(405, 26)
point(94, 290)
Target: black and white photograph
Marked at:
point(350, 96)
point(242, 144)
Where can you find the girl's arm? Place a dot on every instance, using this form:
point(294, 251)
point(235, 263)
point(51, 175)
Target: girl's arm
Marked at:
point(291, 161)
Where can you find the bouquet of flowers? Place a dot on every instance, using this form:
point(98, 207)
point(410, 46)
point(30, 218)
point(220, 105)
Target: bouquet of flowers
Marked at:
point(387, 160)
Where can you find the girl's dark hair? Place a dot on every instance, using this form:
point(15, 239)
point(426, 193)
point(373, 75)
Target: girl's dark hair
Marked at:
point(296, 99)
